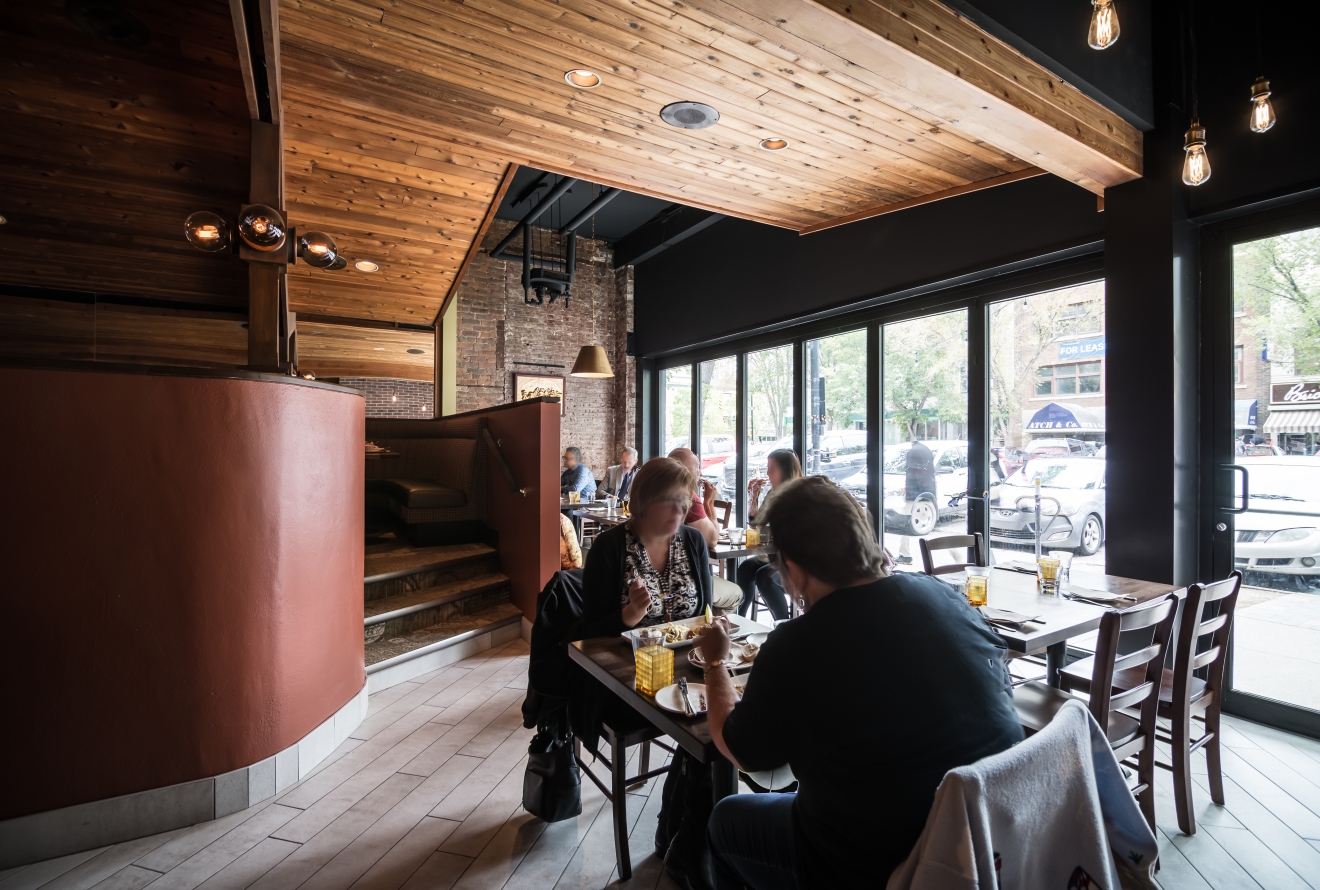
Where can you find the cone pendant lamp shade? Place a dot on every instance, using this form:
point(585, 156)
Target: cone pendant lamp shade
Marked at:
point(592, 362)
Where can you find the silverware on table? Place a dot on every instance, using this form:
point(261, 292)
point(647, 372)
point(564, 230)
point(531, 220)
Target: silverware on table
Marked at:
point(683, 696)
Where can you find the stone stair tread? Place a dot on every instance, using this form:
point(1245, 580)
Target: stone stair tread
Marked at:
point(392, 647)
point(396, 558)
point(382, 609)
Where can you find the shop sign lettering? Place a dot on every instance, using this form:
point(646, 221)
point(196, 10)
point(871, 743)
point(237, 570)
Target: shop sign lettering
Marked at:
point(1294, 393)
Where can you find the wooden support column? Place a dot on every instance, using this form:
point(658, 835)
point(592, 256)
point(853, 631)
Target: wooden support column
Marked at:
point(266, 303)
point(438, 397)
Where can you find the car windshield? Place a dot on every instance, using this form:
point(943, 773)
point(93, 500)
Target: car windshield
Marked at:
point(1079, 474)
point(1275, 482)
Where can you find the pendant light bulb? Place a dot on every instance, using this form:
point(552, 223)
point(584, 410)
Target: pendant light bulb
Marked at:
point(1104, 25)
point(1262, 112)
point(1196, 166)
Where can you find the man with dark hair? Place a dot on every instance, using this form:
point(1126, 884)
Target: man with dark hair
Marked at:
point(915, 686)
point(918, 482)
point(576, 475)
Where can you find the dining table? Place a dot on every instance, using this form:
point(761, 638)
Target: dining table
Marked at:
point(610, 661)
point(1061, 616)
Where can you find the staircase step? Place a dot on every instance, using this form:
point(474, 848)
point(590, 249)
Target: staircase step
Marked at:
point(394, 660)
point(406, 612)
point(394, 568)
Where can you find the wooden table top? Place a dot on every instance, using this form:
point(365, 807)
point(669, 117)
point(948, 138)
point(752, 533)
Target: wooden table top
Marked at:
point(599, 516)
point(732, 551)
point(1063, 618)
point(610, 660)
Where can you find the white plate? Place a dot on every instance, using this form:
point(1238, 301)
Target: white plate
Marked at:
point(669, 699)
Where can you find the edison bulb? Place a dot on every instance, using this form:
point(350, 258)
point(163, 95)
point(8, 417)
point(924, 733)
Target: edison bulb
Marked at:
point(261, 227)
point(1262, 112)
point(318, 249)
point(1196, 166)
point(206, 231)
point(1104, 25)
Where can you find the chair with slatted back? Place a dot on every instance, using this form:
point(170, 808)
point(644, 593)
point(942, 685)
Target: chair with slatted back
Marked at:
point(973, 543)
point(1184, 696)
point(1130, 737)
point(723, 510)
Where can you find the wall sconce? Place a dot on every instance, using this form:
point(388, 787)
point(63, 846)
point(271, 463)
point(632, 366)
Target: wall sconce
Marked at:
point(207, 231)
point(318, 250)
point(261, 228)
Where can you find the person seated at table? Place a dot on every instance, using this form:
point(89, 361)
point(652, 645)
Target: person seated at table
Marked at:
point(619, 478)
point(570, 552)
point(704, 497)
point(915, 686)
point(576, 476)
point(781, 466)
point(725, 595)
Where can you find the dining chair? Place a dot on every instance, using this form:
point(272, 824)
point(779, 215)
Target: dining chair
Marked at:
point(620, 783)
point(723, 510)
point(973, 543)
point(1185, 697)
point(1130, 737)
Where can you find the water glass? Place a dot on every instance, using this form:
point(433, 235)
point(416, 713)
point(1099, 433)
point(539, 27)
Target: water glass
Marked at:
point(1047, 575)
point(1065, 559)
point(977, 586)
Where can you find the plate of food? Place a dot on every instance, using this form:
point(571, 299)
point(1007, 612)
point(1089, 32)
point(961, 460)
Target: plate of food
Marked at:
point(682, 632)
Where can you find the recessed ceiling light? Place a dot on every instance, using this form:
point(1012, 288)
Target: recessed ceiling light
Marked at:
point(416, 352)
point(689, 115)
point(3, 220)
point(774, 143)
point(582, 79)
point(366, 266)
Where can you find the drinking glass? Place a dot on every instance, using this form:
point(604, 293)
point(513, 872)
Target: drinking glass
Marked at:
point(655, 663)
point(1047, 575)
point(977, 585)
point(753, 537)
point(1065, 559)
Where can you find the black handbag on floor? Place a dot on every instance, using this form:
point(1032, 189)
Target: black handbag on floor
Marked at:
point(552, 785)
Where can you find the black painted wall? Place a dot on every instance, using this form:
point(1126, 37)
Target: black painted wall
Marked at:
point(738, 275)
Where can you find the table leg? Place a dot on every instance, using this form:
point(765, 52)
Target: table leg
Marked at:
point(1054, 662)
point(723, 779)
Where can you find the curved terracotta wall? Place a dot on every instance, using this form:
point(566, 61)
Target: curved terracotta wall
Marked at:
point(182, 576)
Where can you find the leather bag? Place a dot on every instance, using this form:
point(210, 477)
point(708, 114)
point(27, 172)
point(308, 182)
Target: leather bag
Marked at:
point(552, 784)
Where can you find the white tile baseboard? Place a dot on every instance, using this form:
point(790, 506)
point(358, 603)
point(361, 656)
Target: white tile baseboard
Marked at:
point(98, 823)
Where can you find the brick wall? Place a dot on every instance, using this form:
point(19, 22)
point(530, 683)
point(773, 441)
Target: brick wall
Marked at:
point(497, 330)
point(413, 399)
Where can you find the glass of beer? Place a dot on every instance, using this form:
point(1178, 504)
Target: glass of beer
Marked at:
point(977, 586)
point(753, 537)
point(1047, 575)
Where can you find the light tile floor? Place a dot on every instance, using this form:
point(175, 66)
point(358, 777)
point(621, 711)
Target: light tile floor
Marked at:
point(427, 794)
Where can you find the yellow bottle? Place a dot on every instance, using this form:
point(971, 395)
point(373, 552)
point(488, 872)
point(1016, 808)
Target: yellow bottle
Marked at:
point(655, 668)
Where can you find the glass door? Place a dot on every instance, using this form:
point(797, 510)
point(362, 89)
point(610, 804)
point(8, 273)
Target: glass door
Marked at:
point(924, 451)
point(1275, 523)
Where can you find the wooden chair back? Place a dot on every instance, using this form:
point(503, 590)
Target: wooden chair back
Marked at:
point(724, 509)
point(1105, 700)
point(974, 544)
point(1213, 657)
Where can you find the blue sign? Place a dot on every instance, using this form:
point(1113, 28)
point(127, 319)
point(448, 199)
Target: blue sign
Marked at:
point(1092, 347)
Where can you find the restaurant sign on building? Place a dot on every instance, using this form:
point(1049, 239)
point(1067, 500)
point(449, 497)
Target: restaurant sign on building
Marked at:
point(1297, 393)
point(1091, 347)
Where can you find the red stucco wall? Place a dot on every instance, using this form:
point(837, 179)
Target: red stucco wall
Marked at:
point(182, 576)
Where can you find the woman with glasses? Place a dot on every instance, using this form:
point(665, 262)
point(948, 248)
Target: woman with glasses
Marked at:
point(651, 569)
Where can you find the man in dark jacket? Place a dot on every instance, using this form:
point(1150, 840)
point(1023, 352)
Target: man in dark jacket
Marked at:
point(919, 485)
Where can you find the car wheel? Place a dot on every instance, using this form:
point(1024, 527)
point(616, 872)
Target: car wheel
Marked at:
point(924, 517)
point(1093, 536)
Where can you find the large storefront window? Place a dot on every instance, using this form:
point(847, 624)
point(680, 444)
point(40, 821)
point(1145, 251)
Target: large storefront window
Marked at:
point(676, 408)
point(719, 421)
point(1047, 419)
point(836, 410)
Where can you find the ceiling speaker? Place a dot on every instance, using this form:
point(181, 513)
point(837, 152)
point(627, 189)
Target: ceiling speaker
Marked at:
point(689, 115)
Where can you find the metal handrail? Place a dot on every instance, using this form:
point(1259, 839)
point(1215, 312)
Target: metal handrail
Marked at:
point(507, 473)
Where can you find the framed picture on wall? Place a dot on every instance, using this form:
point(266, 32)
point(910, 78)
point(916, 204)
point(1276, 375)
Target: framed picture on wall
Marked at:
point(535, 386)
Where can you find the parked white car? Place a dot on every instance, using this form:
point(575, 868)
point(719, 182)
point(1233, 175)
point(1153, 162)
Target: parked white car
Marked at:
point(1280, 532)
point(927, 509)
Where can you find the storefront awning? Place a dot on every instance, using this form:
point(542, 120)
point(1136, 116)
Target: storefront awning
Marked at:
point(1296, 421)
point(1244, 414)
point(1062, 417)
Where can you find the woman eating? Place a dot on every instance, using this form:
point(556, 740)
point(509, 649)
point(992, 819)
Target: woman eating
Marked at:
point(651, 569)
point(757, 574)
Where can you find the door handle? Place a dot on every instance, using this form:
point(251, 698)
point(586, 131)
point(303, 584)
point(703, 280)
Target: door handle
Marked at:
point(1246, 494)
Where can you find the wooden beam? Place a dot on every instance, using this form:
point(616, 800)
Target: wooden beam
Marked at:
point(924, 199)
point(270, 38)
point(266, 281)
point(475, 246)
point(438, 370)
point(244, 57)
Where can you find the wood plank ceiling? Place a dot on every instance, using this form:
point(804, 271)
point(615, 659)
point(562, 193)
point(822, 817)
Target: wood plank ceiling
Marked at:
point(402, 114)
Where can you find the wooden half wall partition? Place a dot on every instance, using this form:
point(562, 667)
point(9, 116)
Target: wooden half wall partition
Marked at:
point(183, 572)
